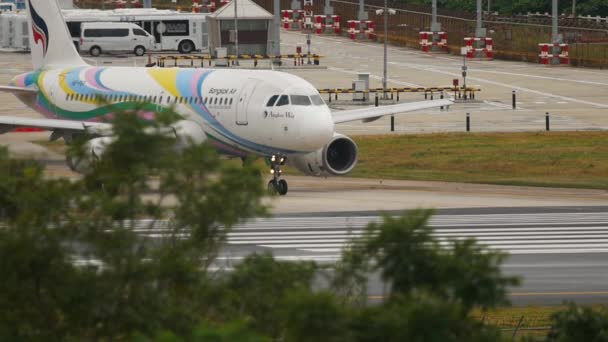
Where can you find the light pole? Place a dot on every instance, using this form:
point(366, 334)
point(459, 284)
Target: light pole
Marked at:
point(236, 32)
point(386, 12)
point(384, 77)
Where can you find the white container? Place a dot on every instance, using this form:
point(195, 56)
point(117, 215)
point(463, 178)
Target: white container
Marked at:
point(3, 36)
point(21, 33)
point(221, 53)
point(8, 27)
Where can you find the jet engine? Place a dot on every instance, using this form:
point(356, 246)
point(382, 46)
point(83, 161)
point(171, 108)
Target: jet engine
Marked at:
point(93, 150)
point(185, 132)
point(337, 158)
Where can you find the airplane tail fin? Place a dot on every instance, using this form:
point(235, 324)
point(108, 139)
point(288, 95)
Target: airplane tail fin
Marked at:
point(50, 41)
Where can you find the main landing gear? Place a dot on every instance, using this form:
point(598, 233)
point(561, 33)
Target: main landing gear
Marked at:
point(276, 184)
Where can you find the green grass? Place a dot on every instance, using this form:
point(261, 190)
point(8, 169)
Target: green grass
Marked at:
point(570, 159)
point(560, 159)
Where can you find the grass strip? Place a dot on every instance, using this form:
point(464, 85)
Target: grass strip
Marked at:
point(559, 159)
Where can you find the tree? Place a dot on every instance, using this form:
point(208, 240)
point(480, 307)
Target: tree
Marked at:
point(80, 263)
point(432, 287)
point(579, 323)
point(260, 287)
point(312, 317)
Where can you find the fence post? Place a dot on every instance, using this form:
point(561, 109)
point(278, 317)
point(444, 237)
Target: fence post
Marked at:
point(547, 122)
point(468, 124)
point(514, 100)
point(392, 123)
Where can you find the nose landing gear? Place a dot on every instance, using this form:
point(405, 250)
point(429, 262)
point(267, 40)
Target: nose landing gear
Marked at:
point(277, 185)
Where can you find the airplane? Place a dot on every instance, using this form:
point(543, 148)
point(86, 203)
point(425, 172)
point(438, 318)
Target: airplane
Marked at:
point(264, 113)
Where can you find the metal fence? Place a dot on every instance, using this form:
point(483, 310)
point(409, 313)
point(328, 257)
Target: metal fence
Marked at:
point(514, 40)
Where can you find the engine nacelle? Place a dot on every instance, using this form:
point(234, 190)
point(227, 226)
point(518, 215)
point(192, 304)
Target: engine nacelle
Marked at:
point(337, 158)
point(188, 133)
point(93, 150)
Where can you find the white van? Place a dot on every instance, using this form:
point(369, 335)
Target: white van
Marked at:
point(100, 37)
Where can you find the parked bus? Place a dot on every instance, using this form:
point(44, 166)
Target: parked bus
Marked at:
point(7, 7)
point(172, 31)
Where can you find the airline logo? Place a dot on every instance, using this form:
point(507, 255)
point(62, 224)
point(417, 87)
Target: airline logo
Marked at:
point(39, 28)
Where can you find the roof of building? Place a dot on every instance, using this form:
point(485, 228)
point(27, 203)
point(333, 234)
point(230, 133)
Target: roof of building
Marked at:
point(246, 9)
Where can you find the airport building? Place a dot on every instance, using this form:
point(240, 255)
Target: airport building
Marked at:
point(254, 28)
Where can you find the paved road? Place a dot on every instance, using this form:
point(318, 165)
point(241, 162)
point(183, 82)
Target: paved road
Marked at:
point(560, 256)
point(560, 253)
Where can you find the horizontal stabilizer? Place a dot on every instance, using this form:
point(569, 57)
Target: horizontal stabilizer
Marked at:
point(18, 90)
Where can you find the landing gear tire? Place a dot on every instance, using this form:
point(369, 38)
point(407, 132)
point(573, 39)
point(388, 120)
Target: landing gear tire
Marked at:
point(277, 186)
point(283, 188)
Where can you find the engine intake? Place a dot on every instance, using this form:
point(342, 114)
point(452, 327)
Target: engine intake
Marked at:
point(337, 158)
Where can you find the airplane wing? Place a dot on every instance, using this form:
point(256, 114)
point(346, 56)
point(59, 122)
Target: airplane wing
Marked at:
point(9, 123)
point(373, 113)
point(18, 90)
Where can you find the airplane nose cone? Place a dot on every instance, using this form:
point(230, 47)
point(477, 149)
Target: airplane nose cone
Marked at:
point(321, 129)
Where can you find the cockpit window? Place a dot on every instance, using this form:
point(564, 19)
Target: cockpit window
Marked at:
point(300, 100)
point(283, 101)
point(272, 100)
point(317, 100)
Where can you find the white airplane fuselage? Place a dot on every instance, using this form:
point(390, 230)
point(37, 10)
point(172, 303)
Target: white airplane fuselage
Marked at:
point(231, 106)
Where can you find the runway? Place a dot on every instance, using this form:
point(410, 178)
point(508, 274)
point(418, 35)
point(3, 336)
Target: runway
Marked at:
point(561, 253)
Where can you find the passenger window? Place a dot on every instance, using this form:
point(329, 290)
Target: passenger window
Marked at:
point(283, 101)
point(215, 101)
point(221, 101)
point(205, 100)
point(300, 100)
point(272, 100)
point(231, 101)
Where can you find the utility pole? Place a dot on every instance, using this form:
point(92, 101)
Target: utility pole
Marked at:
point(328, 10)
point(236, 32)
point(573, 8)
point(479, 30)
point(385, 77)
point(435, 26)
point(554, 33)
point(362, 14)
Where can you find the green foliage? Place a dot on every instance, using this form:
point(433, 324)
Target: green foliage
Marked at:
point(84, 259)
point(421, 319)
point(506, 7)
point(76, 261)
point(579, 323)
point(312, 317)
point(412, 262)
point(261, 285)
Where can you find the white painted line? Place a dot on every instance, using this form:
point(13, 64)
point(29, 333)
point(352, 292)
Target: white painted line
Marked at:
point(506, 85)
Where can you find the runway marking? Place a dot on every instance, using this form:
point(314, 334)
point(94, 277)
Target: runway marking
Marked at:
point(568, 80)
point(324, 238)
point(532, 294)
point(506, 85)
point(561, 293)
